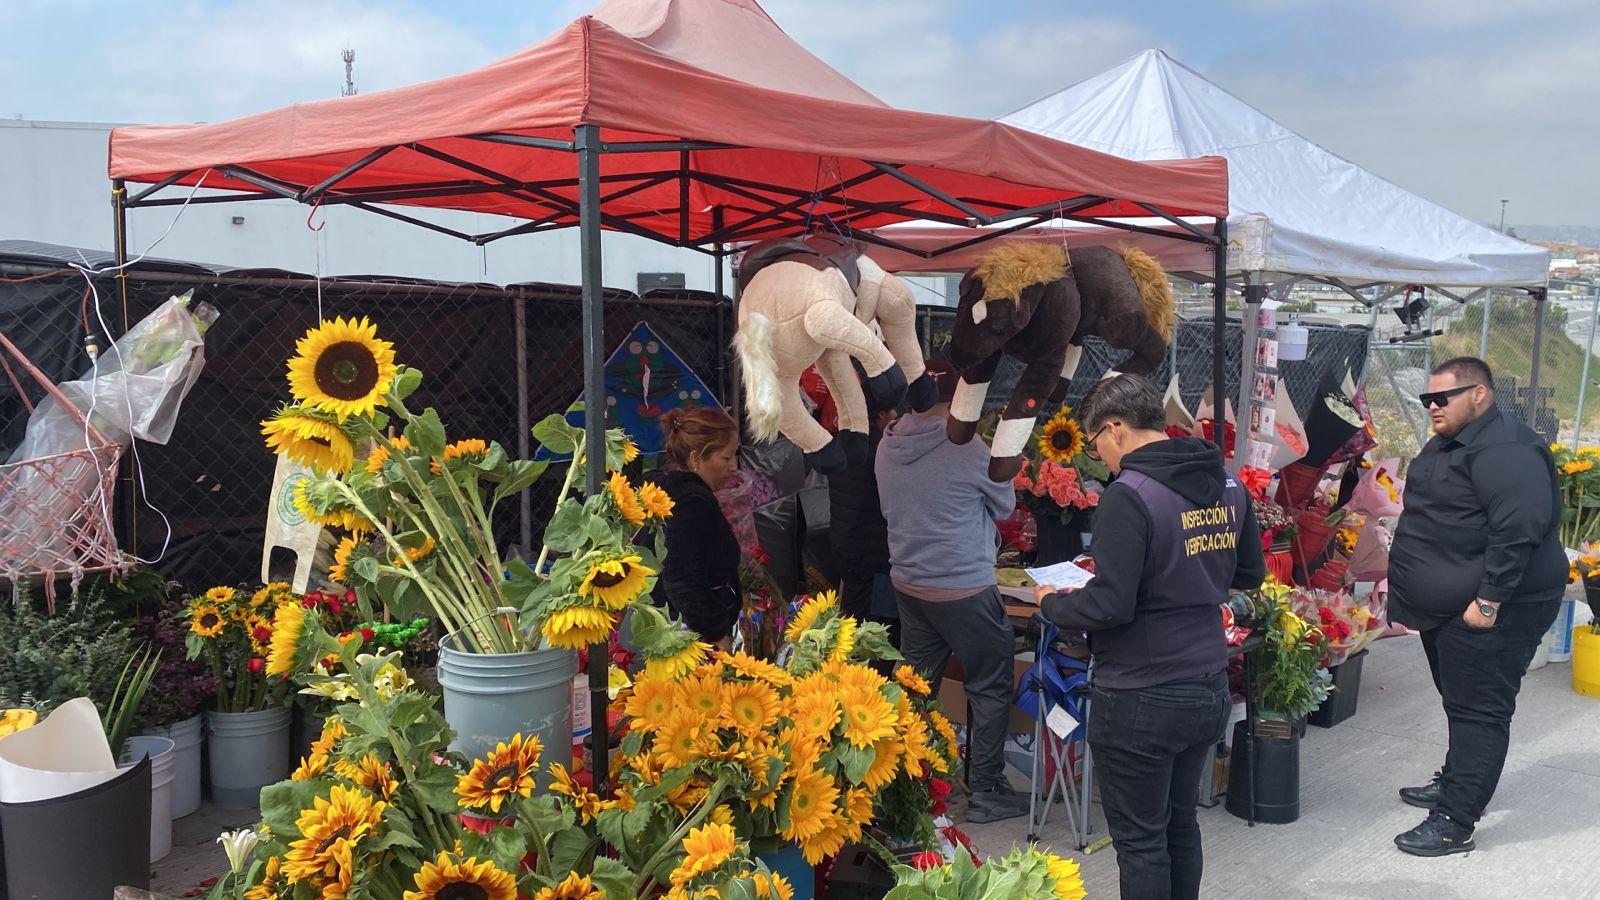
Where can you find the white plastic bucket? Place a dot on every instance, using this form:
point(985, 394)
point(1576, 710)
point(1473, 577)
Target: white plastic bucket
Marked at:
point(187, 737)
point(163, 763)
point(249, 751)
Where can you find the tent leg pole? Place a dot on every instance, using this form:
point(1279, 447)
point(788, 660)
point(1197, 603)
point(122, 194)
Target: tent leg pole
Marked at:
point(1583, 382)
point(1254, 292)
point(1219, 322)
point(119, 247)
point(524, 426)
point(588, 146)
point(1483, 338)
point(1539, 296)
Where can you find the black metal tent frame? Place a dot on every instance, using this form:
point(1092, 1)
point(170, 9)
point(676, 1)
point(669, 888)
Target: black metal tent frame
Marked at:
point(773, 209)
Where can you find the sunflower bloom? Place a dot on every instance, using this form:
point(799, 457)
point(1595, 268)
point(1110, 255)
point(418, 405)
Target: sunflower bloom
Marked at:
point(627, 501)
point(371, 773)
point(703, 694)
point(330, 831)
point(816, 715)
point(268, 888)
point(470, 450)
point(1068, 881)
point(885, 765)
point(1061, 438)
point(577, 627)
point(829, 839)
point(315, 443)
point(339, 572)
point(584, 802)
point(652, 702)
point(334, 515)
point(292, 626)
point(575, 887)
point(341, 367)
point(310, 767)
point(207, 621)
point(380, 454)
point(446, 879)
point(812, 610)
point(678, 664)
point(506, 772)
point(911, 681)
point(415, 554)
point(752, 708)
point(771, 887)
point(748, 666)
point(656, 502)
point(811, 804)
point(846, 643)
point(705, 850)
point(616, 582)
point(682, 738)
point(868, 717)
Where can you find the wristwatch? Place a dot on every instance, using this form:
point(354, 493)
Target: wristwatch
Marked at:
point(1487, 609)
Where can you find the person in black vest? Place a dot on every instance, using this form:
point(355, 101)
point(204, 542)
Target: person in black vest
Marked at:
point(1172, 535)
point(700, 575)
point(1477, 567)
point(859, 536)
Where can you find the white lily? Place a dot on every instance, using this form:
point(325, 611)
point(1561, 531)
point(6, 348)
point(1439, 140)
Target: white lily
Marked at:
point(238, 845)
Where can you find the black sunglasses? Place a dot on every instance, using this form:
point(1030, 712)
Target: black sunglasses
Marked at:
point(1442, 398)
point(1088, 446)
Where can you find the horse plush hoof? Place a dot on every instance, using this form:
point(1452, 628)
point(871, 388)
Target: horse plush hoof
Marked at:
point(1004, 468)
point(830, 460)
point(857, 449)
point(960, 432)
point(923, 393)
point(887, 388)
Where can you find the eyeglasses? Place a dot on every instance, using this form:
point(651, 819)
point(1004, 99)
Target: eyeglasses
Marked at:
point(1442, 398)
point(1088, 446)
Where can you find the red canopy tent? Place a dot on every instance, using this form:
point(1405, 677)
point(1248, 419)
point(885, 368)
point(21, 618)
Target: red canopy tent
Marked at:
point(698, 123)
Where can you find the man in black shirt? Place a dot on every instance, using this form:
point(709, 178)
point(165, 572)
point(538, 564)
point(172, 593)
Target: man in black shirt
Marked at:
point(1477, 567)
point(1172, 535)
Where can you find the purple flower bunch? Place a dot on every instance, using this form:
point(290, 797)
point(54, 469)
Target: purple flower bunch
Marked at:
point(182, 686)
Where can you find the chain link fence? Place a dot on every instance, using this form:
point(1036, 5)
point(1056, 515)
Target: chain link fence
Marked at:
point(201, 498)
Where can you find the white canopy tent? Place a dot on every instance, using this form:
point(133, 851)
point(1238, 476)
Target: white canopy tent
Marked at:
point(1297, 211)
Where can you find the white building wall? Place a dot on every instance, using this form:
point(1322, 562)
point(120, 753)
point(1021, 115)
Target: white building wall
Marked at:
point(54, 189)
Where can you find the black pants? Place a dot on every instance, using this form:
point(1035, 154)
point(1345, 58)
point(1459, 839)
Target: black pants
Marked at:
point(1149, 748)
point(1478, 673)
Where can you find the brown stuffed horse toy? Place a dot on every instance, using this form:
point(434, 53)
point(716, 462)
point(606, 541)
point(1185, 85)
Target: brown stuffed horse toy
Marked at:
point(1037, 302)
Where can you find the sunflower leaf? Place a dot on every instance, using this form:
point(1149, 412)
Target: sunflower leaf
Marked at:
point(520, 475)
point(857, 762)
point(406, 382)
point(612, 877)
point(426, 433)
point(568, 528)
point(557, 435)
point(632, 744)
point(367, 568)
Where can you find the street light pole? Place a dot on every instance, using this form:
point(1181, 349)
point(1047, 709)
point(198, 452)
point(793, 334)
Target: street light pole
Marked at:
point(1503, 215)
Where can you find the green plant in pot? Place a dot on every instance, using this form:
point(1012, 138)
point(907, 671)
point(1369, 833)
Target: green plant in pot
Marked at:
point(1289, 682)
point(132, 685)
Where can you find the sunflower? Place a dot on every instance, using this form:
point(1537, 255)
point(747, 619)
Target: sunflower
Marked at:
point(943, 728)
point(815, 715)
point(681, 739)
point(653, 701)
point(577, 627)
point(339, 572)
point(622, 494)
point(752, 708)
point(371, 773)
point(207, 621)
point(705, 850)
point(852, 675)
point(771, 886)
point(575, 887)
point(445, 879)
point(341, 367)
point(292, 632)
point(310, 767)
point(885, 764)
point(415, 554)
point(811, 803)
point(676, 665)
point(584, 802)
point(703, 694)
point(911, 681)
point(846, 643)
point(329, 833)
point(868, 717)
point(315, 443)
point(630, 451)
point(267, 889)
point(829, 839)
point(617, 581)
point(1068, 880)
point(1062, 438)
point(332, 730)
point(380, 454)
point(266, 593)
point(744, 664)
point(333, 515)
point(809, 613)
point(507, 771)
point(656, 502)
point(470, 450)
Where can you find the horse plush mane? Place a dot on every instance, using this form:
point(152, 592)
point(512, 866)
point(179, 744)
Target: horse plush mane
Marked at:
point(1037, 302)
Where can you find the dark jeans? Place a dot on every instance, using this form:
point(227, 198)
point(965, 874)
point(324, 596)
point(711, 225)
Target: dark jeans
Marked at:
point(1149, 748)
point(976, 631)
point(1478, 673)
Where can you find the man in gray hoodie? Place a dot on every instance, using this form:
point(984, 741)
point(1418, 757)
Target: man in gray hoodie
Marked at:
point(940, 506)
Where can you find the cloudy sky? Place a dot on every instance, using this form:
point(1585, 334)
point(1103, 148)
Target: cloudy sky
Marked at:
point(1463, 101)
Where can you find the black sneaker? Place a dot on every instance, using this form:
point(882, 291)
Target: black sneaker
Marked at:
point(1436, 836)
point(995, 804)
point(1425, 797)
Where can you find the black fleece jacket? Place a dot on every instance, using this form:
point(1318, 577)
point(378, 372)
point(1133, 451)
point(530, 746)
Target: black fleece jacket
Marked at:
point(700, 576)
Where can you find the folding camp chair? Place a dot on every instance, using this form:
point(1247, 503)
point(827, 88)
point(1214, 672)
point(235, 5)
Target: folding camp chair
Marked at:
point(1057, 681)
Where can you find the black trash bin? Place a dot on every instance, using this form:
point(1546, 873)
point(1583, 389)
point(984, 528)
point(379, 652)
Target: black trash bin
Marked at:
point(1274, 766)
point(85, 844)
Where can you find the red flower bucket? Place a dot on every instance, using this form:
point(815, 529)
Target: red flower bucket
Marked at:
point(1280, 563)
point(1331, 576)
point(1297, 484)
point(1313, 535)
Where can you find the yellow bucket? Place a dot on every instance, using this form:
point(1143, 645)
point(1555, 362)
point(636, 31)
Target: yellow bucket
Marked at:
point(1586, 661)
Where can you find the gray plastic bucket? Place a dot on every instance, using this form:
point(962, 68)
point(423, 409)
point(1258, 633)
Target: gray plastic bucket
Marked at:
point(186, 735)
point(249, 751)
point(163, 763)
point(488, 697)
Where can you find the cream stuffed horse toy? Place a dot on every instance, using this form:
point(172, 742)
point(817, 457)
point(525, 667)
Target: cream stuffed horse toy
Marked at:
point(805, 302)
